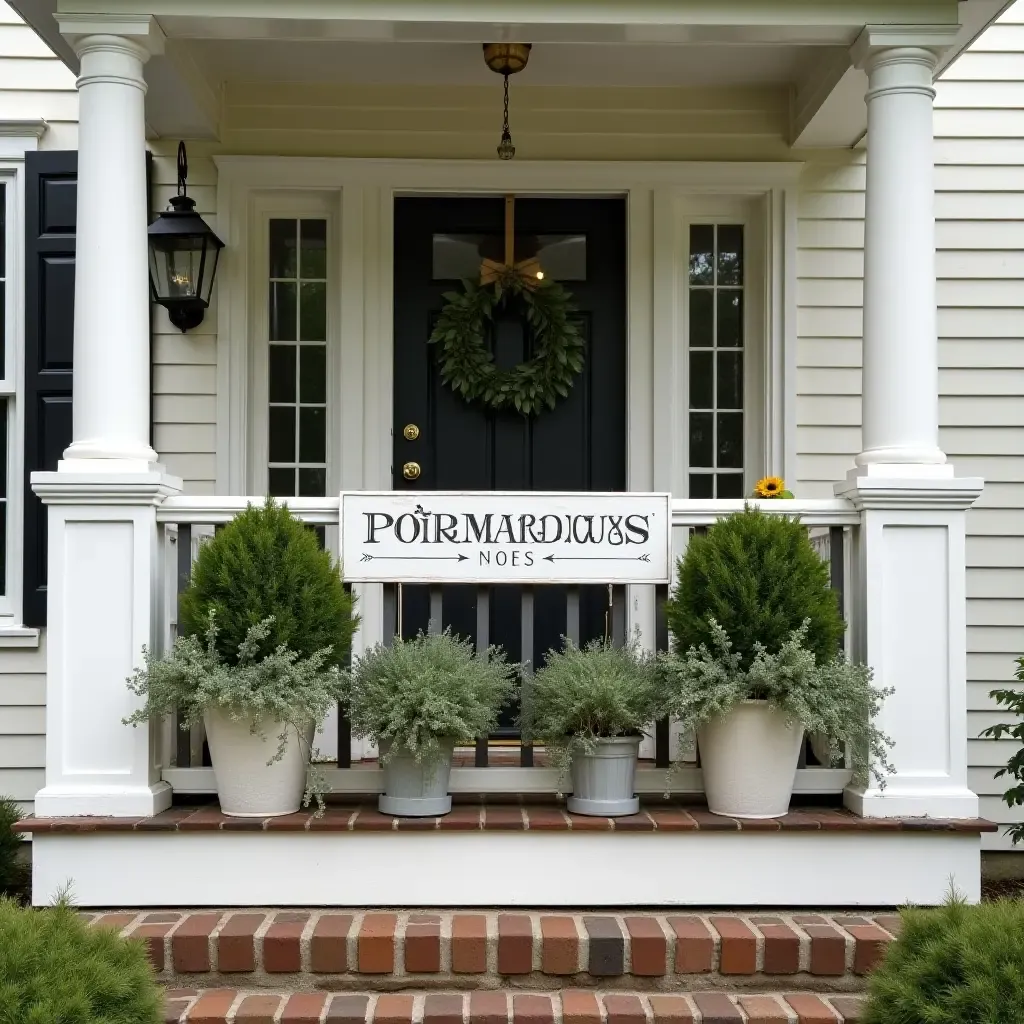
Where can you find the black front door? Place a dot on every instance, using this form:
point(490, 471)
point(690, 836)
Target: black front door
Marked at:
point(579, 446)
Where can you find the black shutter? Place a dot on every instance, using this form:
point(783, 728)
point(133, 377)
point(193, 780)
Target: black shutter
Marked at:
point(51, 201)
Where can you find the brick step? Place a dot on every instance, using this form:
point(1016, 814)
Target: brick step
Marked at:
point(390, 951)
point(246, 1006)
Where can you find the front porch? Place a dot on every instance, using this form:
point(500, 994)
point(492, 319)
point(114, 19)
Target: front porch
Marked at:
point(692, 303)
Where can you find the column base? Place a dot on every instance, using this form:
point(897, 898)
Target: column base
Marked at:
point(905, 800)
point(102, 801)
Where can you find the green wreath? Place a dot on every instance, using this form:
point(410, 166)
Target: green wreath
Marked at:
point(467, 366)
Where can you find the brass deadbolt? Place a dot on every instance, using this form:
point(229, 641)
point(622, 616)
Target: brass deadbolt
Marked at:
point(410, 432)
point(411, 471)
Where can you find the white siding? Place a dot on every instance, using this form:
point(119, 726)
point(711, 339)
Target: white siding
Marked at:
point(979, 178)
point(35, 84)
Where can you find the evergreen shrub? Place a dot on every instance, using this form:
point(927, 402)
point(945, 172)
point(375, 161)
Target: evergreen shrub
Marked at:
point(56, 970)
point(419, 692)
point(758, 576)
point(13, 872)
point(1013, 701)
point(266, 565)
point(958, 964)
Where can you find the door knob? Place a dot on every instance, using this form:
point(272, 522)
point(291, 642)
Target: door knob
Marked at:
point(410, 432)
point(411, 471)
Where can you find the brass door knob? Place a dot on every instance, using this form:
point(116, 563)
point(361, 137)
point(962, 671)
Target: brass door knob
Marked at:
point(410, 432)
point(411, 471)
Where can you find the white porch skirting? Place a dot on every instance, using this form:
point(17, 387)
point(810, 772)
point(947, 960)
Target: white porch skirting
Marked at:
point(459, 869)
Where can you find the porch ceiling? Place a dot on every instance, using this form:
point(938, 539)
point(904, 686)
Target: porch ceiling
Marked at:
point(798, 44)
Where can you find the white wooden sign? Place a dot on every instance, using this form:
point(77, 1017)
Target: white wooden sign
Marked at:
point(505, 537)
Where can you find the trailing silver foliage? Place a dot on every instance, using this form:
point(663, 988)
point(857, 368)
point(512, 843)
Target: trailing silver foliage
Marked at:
point(597, 692)
point(418, 692)
point(835, 699)
point(281, 687)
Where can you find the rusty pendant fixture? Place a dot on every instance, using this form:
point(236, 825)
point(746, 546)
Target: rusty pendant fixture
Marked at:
point(506, 59)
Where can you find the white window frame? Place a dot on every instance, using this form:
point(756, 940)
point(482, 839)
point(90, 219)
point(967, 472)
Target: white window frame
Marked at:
point(16, 139)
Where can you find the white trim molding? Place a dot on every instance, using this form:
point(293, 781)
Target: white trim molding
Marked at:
point(607, 869)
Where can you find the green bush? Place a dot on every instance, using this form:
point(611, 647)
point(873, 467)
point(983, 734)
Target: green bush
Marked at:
point(266, 565)
point(581, 696)
point(12, 871)
point(417, 692)
point(955, 965)
point(756, 575)
point(55, 970)
point(1013, 701)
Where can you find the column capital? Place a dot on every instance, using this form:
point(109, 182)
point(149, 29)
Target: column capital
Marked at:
point(912, 44)
point(140, 33)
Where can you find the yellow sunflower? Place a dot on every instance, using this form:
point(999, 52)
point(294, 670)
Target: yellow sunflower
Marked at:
point(770, 487)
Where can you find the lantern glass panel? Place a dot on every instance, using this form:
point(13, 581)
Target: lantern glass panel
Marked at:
point(176, 265)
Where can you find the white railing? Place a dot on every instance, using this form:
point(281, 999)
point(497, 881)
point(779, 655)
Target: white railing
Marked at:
point(184, 520)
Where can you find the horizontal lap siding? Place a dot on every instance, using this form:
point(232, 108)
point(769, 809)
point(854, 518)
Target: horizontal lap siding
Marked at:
point(185, 365)
point(979, 180)
point(34, 84)
point(22, 722)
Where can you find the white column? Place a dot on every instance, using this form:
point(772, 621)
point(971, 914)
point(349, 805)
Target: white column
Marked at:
point(909, 618)
point(900, 359)
point(104, 570)
point(111, 346)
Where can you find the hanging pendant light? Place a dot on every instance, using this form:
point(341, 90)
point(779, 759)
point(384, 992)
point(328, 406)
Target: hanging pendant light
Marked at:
point(506, 59)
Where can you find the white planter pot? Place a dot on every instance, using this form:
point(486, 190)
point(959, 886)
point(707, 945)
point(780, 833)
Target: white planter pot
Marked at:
point(603, 782)
point(414, 790)
point(248, 787)
point(749, 758)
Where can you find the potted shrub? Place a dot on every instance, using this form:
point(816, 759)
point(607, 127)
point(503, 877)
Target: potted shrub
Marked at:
point(952, 965)
point(590, 708)
point(757, 662)
point(54, 967)
point(265, 625)
point(416, 699)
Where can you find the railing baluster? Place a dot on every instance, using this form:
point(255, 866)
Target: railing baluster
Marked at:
point(572, 614)
point(526, 645)
point(662, 731)
point(435, 624)
point(483, 642)
point(390, 624)
point(344, 725)
point(837, 565)
point(618, 616)
point(183, 741)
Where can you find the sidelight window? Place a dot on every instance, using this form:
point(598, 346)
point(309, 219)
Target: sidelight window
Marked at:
point(716, 279)
point(297, 357)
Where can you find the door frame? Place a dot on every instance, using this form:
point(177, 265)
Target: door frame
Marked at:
point(661, 199)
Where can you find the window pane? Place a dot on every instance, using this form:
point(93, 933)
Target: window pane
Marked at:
point(282, 311)
point(702, 445)
point(313, 435)
point(730, 319)
point(283, 262)
point(314, 311)
point(313, 373)
point(562, 257)
point(282, 483)
point(730, 440)
point(730, 485)
point(730, 380)
point(730, 254)
point(702, 254)
point(282, 434)
point(3, 496)
point(282, 373)
point(312, 483)
point(701, 380)
point(702, 485)
point(701, 319)
point(314, 249)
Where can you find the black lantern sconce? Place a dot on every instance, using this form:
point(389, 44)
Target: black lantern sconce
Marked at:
point(183, 254)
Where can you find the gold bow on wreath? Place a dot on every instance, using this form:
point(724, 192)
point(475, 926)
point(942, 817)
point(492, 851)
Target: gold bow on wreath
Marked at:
point(527, 271)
